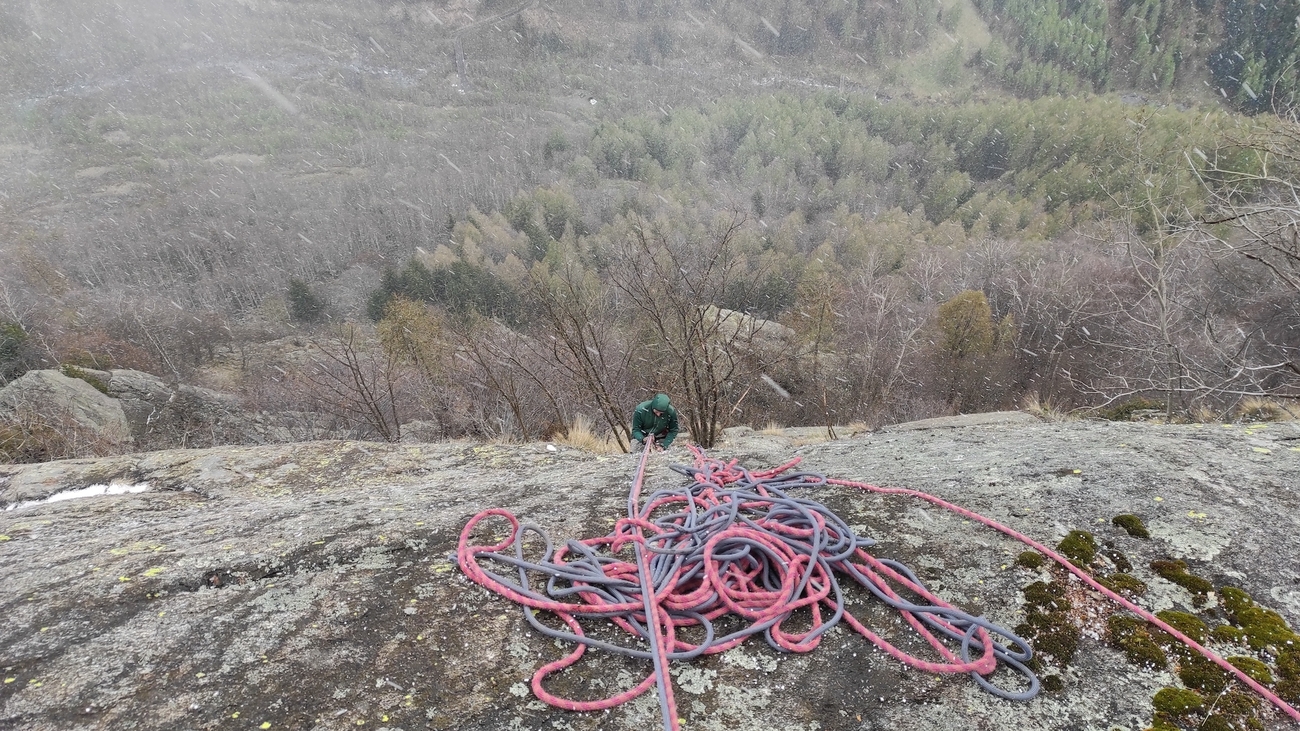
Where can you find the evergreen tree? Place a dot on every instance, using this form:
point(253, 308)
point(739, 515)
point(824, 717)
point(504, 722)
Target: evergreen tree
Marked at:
point(304, 305)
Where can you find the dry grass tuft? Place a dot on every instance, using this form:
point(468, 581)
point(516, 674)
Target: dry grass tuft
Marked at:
point(773, 429)
point(580, 435)
point(1262, 409)
point(1043, 409)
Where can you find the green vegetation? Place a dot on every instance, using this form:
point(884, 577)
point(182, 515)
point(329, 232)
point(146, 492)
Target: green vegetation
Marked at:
point(1048, 625)
point(1201, 674)
point(1061, 46)
point(1079, 546)
point(305, 306)
point(1030, 559)
point(1185, 709)
point(1122, 583)
point(1176, 571)
point(13, 344)
point(462, 288)
point(72, 371)
point(1288, 671)
point(1188, 624)
point(1132, 525)
point(1177, 701)
point(1228, 634)
point(1263, 628)
point(1252, 667)
point(1135, 638)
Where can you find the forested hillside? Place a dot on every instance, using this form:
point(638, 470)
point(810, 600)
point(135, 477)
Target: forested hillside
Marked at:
point(1246, 52)
point(508, 219)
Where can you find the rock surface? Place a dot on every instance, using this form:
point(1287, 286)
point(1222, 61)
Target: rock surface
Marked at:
point(119, 410)
point(309, 586)
point(164, 415)
point(71, 402)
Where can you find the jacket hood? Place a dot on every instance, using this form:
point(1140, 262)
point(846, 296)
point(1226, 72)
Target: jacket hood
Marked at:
point(660, 402)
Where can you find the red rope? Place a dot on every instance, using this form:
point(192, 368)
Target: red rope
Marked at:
point(1083, 576)
point(724, 585)
point(661, 631)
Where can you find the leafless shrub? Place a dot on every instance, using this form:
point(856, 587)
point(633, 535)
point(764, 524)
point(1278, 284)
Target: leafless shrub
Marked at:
point(670, 274)
point(30, 433)
point(356, 381)
point(579, 314)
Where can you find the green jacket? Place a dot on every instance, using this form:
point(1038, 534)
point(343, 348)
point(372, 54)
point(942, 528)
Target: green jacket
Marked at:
point(664, 427)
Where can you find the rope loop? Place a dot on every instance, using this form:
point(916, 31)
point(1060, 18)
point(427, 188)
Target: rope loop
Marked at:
point(729, 542)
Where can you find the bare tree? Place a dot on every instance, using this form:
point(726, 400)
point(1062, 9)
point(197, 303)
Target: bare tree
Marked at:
point(1255, 185)
point(1170, 338)
point(880, 330)
point(357, 381)
point(672, 277)
point(579, 311)
point(513, 369)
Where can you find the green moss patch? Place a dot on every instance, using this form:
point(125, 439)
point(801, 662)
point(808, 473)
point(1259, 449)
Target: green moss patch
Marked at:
point(1079, 546)
point(1234, 710)
point(1133, 636)
point(1228, 634)
point(1262, 627)
point(1252, 667)
point(1176, 571)
point(1030, 560)
point(1048, 626)
point(1288, 664)
point(1199, 673)
point(1132, 524)
point(1125, 584)
point(1046, 597)
point(1177, 701)
point(1234, 599)
point(1289, 690)
point(1288, 670)
point(1189, 624)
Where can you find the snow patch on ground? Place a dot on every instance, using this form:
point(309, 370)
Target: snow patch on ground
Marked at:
point(116, 488)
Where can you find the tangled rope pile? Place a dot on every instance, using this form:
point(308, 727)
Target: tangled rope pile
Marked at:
point(730, 543)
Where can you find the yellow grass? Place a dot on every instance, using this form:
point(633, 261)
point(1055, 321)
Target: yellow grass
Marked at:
point(580, 435)
point(1047, 409)
point(1262, 409)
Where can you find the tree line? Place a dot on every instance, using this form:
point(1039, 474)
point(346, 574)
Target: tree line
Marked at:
point(804, 260)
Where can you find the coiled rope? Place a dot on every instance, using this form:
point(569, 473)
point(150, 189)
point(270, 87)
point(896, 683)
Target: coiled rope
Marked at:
point(731, 542)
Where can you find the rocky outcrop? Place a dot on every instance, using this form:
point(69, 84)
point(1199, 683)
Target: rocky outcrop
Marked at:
point(74, 408)
point(90, 411)
point(310, 586)
point(164, 415)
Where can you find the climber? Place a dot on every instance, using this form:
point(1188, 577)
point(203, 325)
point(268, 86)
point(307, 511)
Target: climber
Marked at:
point(657, 418)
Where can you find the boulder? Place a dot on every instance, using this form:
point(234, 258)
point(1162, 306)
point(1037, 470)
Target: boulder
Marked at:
point(71, 408)
point(421, 430)
point(952, 422)
point(163, 414)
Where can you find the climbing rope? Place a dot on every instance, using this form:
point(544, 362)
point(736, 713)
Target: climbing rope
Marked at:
point(1083, 576)
point(730, 543)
